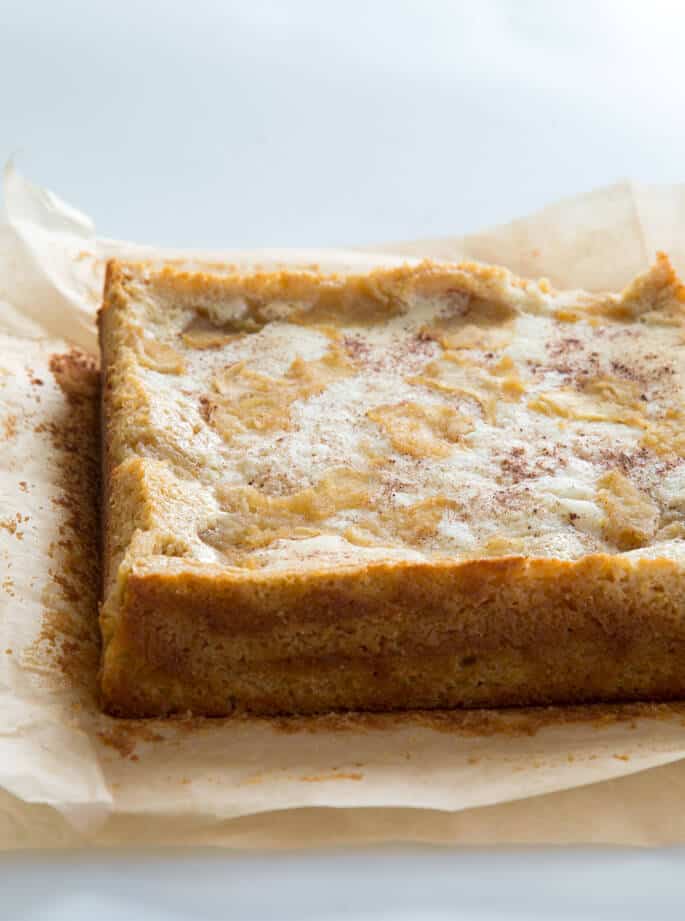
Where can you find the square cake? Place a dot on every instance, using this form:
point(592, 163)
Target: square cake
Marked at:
point(430, 486)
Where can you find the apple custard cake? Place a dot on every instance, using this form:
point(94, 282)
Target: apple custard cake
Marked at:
point(429, 486)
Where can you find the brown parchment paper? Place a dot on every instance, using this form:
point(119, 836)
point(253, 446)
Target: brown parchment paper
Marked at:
point(70, 776)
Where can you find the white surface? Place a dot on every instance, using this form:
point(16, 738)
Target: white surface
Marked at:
point(398, 884)
point(310, 123)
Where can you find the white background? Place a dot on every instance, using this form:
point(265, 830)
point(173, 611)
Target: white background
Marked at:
point(262, 123)
point(200, 123)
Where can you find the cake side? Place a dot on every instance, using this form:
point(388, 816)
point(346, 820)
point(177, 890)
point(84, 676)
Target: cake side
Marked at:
point(309, 479)
point(507, 632)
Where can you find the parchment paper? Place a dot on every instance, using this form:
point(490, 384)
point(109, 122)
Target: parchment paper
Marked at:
point(70, 776)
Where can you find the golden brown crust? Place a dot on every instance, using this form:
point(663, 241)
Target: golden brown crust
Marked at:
point(395, 636)
point(185, 633)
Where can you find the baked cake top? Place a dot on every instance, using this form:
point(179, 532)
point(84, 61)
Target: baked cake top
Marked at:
point(289, 420)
